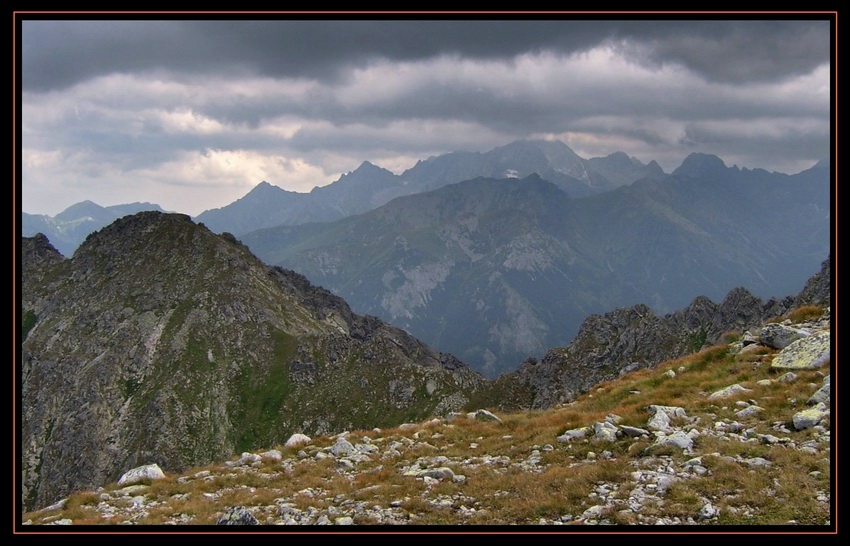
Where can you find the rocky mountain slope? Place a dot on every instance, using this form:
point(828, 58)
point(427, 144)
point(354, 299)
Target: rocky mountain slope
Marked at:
point(162, 342)
point(737, 435)
point(369, 186)
point(626, 339)
point(497, 270)
point(70, 227)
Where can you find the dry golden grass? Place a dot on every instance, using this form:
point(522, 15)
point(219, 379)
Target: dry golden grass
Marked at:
point(563, 483)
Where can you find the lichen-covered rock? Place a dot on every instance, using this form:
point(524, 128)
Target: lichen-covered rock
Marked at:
point(237, 515)
point(142, 473)
point(807, 353)
point(810, 417)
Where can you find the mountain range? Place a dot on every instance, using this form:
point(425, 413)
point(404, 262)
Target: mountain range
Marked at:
point(369, 186)
point(70, 227)
point(161, 342)
point(497, 270)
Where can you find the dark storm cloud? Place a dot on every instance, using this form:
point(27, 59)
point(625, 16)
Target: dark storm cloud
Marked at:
point(58, 54)
point(152, 110)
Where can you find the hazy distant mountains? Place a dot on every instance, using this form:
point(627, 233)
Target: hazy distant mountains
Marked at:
point(369, 187)
point(70, 227)
point(497, 270)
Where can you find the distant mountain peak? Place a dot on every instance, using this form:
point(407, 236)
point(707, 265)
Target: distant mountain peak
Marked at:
point(699, 164)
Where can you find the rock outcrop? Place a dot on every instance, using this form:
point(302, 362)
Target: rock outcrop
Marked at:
point(160, 342)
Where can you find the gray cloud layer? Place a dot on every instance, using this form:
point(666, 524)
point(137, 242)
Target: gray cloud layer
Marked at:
point(154, 110)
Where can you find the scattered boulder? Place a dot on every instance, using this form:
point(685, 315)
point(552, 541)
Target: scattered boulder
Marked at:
point(731, 390)
point(633, 432)
point(272, 455)
point(821, 396)
point(605, 431)
point(297, 439)
point(808, 353)
point(749, 411)
point(779, 336)
point(237, 515)
point(659, 421)
point(810, 417)
point(788, 377)
point(342, 447)
point(573, 434)
point(484, 415)
point(141, 473)
point(678, 439)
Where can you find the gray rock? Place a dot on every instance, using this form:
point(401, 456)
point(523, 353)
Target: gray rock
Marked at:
point(345, 464)
point(788, 377)
point(58, 505)
point(594, 512)
point(248, 458)
point(272, 454)
point(484, 415)
point(821, 396)
point(613, 418)
point(708, 511)
point(237, 515)
point(297, 439)
point(671, 411)
point(779, 336)
point(748, 339)
point(748, 412)
point(805, 354)
point(809, 417)
point(344, 520)
point(441, 473)
point(573, 434)
point(659, 421)
point(342, 447)
point(731, 390)
point(61, 522)
point(633, 432)
point(605, 431)
point(757, 462)
point(141, 473)
point(678, 439)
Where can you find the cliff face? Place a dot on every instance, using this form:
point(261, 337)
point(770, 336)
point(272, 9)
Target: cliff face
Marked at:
point(162, 342)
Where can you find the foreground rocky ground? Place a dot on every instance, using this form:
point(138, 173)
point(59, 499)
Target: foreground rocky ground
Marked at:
point(738, 434)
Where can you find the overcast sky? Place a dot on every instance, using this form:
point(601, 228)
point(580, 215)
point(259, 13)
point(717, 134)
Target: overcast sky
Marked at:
point(193, 114)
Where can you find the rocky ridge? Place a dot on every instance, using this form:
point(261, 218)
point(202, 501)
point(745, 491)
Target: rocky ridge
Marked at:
point(627, 339)
point(722, 437)
point(162, 342)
